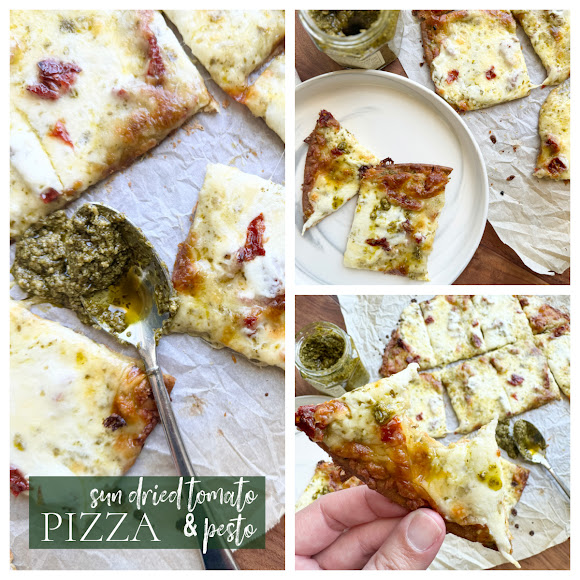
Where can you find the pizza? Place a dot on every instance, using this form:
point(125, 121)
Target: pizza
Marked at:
point(396, 218)
point(426, 404)
point(76, 407)
point(556, 347)
point(554, 128)
point(326, 479)
point(502, 319)
point(409, 343)
point(229, 272)
point(476, 392)
point(541, 315)
point(367, 434)
point(453, 327)
point(525, 375)
point(475, 57)
point(549, 33)
point(332, 169)
point(266, 97)
point(90, 91)
point(230, 44)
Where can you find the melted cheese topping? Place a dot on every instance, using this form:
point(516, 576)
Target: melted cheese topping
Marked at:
point(549, 33)
point(557, 351)
point(339, 181)
point(426, 405)
point(502, 320)
point(230, 44)
point(217, 293)
point(554, 129)
point(487, 58)
point(266, 97)
point(62, 387)
point(414, 332)
point(113, 111)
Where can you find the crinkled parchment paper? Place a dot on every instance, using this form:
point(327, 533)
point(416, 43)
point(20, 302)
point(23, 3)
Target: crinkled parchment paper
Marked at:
point(229, 410)
point(543, 508)
point(531, 215)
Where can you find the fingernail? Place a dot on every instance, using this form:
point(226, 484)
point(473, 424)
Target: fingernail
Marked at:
point(422, 531)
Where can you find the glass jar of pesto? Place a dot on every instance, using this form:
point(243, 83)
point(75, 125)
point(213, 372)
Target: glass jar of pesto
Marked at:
point(369, 39)
point(327, 358)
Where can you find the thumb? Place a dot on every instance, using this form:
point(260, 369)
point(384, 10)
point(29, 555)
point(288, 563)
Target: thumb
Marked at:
point(412, 545)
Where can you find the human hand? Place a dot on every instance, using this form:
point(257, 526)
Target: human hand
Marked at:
point(358, 528)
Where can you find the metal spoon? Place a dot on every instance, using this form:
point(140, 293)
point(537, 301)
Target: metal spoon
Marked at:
point(152, 287)
point(532, 445)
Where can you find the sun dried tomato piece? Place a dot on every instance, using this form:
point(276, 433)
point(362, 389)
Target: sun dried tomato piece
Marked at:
point(156, 67)
point(49, 195)
point(18, 482)
point(452, 76)
point(254, 240)
point(114, 422)
point(59, 131)
point(556, 166)
point(515, 380)
point(381, 243)
point(337, 152)
point(55, 79)
point(490, 74)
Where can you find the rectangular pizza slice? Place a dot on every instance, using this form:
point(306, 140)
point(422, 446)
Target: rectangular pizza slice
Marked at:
point(266, 97)
point(230, 44)
point(229, 273)
point(476, 392)
point(409, 343)
point(502, 320)
point(556, 347)
point(475, 57)
point(98, 89)
point(525, 375)
point(554, 128)
point(396, 218)
point(453, 327)
point(332, 169)
point(549, 33)
point(426, 404)
point(541, 315)
point(370, 437)
point(76, 407)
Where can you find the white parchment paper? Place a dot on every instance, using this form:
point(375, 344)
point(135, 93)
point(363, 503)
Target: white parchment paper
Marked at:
point(543, 508)
point(530, 215)
point(229, 410)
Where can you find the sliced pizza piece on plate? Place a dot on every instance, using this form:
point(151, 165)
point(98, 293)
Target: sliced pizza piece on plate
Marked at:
point(230, 44)
point(98, 89)
point(556, 347)
point(266, 97)
point(541, 315)
point(409, 343)
point(76, 407)
point(396, 218)
point(554, 127)
point(502, 320)
point(549, 33)
point(525, 375)
point(476, 392)
point(475, 57)
point(332, 169)
point(370, 437)
point(229, 273)
point(453, 327)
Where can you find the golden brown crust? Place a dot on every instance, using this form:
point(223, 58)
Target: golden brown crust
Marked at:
point(398, 355)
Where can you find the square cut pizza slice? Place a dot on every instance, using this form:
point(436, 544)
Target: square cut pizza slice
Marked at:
point(541, 315)
point(396, 218)
point(332, 169)
point(556, 347)
point(525, 375)
point(453, 327)
point(230, 44)
point(369, 435)
point(475, 57)
point(549, 33)
point(229, 273)
point(76, 407)
point(409, 343)
point(98, 89)
point(426, 405)
point(502, 320)
point(476, 392)
point(554, 128)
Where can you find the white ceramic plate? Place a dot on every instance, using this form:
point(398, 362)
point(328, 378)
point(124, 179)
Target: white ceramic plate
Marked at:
point(397, 118)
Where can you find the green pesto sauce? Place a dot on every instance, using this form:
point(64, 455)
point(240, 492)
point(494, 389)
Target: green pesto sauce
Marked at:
point(344, 22)
point(504, 439)
point(322, 350)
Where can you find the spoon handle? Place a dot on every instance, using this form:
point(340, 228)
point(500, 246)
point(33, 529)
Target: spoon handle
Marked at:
point(218, 559)
point(560, 482)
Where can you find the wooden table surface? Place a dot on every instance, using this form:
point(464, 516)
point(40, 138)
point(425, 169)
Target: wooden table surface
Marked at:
point(493, 262)
point(315, 308)
point(272, 558)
